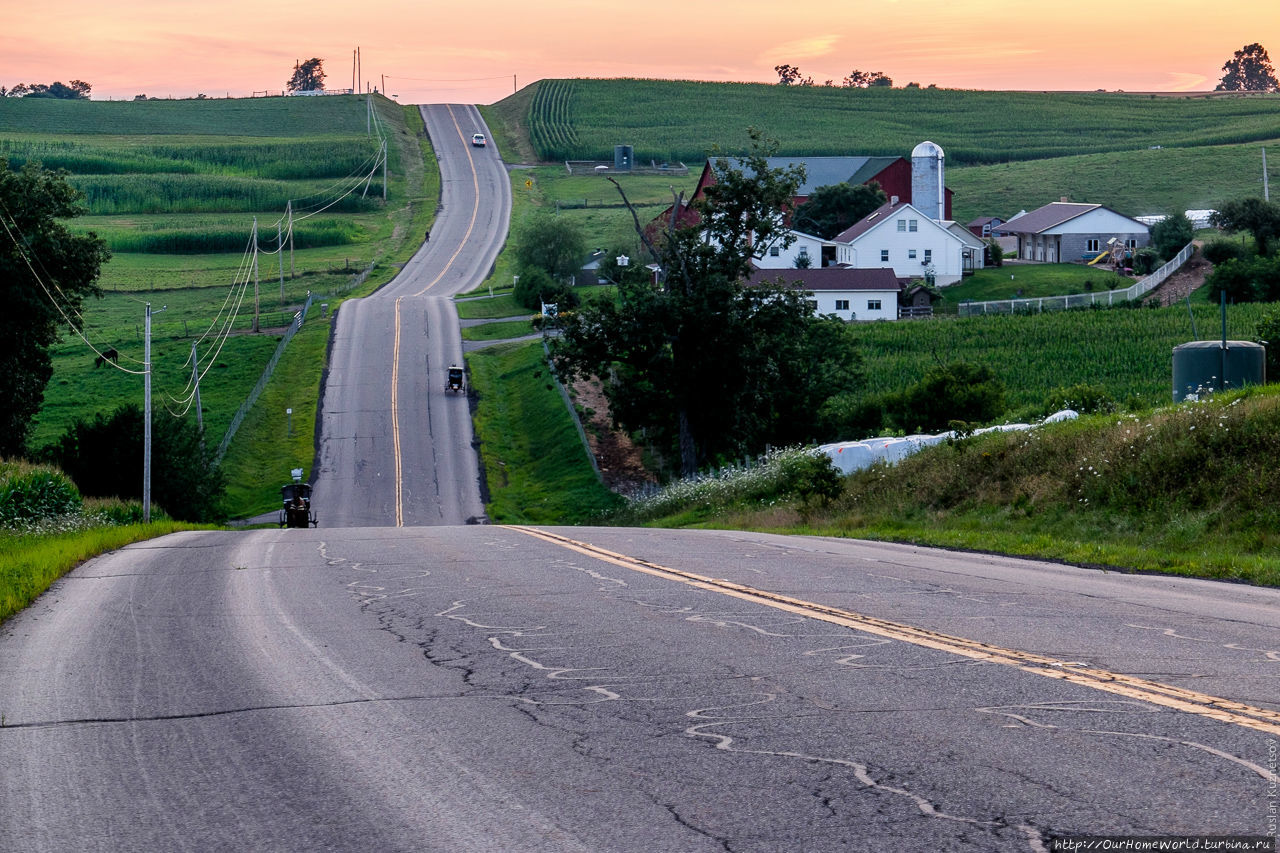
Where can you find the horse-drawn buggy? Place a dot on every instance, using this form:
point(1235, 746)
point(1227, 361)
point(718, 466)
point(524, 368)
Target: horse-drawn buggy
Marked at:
point(454, 379)
point(295, 510)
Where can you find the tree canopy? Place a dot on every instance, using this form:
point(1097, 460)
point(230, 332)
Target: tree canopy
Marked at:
point(707, 365)
point(76, 90)
point(832, 209)
point(40, 260)
point(1171, 234)
point(866, 79)
point(1248, 70)
point(307, 76)
point(1260, 218)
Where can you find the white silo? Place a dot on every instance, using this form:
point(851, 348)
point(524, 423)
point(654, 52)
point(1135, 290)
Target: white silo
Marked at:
point(928, 190)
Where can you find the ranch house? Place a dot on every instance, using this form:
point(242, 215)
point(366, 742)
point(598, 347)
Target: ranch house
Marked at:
point(852, 295)
point(1066, 231)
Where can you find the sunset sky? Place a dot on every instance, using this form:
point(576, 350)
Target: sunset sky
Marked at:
point(476, 52)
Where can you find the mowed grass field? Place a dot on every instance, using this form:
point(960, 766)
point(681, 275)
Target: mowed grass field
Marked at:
point(175, 188)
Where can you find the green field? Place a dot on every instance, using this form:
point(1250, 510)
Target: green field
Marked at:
point(1006, 151)
point(669, 120)
point(174, 187)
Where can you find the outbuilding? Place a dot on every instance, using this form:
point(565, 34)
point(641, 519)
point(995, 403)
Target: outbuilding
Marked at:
point(1067, 231)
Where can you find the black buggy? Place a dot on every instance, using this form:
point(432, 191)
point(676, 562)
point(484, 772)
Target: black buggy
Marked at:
point(296, 506)
point(454, 381)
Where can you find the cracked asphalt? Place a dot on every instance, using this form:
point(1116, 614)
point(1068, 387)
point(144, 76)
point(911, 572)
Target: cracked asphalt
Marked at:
point(472, 688)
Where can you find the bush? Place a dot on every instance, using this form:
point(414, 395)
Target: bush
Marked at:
point(1082, 397)
point(104, 457)
point(1146, 260)
point(1170, 234)
point(33, 492)
point(956, 391)
point(535, 286)
point(1220, 251)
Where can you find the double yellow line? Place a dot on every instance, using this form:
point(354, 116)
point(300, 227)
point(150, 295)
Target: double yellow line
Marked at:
point(395, 347)
point(1165, 695)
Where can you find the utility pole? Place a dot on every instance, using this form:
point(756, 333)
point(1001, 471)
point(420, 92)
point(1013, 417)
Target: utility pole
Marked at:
point(514, 87)
point(384, 169)
point(353, 73)
point(288, 209)
point(255, 274)
point(195, 377)
point(280, 259)
point(146, 417)
point(1266, 191)
point(359, 69)
point(384, 84)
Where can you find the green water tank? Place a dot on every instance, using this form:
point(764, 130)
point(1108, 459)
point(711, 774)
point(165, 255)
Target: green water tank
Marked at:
point(1200, 365)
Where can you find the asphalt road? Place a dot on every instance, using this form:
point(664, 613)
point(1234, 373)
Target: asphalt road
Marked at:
point(479, 688)
point(396, 448)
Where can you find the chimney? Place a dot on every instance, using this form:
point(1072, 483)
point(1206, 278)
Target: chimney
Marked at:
point(1065, 199)
point(893, 200)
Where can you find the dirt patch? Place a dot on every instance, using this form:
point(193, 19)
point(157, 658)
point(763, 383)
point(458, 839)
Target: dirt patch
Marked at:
point(1189, 277)
point(621, 461)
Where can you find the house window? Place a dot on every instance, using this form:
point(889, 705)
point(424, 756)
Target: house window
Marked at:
point(884, 256)
point(911, 226)
point(1091, 245)
point(773, 251)
point(804, 251)
point(911, 253)
point(842, 304)
point(928, 256)
point(873, 304)
point(1131, 243)
point(902, 225)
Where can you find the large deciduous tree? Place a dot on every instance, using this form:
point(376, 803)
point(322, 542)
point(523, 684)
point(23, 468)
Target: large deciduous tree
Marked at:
point(708, 365)
point(1260, 218)
point(307, 76)
point(46, 272)
point(1171, 234)
point(1249, 70)
point(834, 208)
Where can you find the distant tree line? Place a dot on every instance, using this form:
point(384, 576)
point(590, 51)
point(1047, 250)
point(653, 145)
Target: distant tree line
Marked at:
point(76, 90)
point(789, 75)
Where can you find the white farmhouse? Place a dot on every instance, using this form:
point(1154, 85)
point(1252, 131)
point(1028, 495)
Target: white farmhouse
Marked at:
point(805, 251)
point(851, 295)
point(899, 237)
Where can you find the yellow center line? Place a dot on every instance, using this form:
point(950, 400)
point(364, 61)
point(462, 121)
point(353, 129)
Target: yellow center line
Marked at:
point(395, 417)
point(1153, 692)
point(395, 354)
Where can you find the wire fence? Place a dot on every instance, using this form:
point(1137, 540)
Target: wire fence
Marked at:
point(1037, 304)
point(247, 405)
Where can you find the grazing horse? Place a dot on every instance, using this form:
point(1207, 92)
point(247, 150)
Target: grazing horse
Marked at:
point(107, 355)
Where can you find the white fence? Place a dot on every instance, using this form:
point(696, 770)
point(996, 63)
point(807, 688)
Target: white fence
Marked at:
point(1080, 300)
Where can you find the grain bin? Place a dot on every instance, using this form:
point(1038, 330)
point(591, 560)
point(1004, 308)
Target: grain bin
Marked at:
point(623, 156)
point(1216, 365)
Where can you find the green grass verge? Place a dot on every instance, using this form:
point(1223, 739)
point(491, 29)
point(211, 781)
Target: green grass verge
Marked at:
point(30, 563)
point(271, 441)
point(534, 461)
point(498, 331)
point(501, 305)
point(1018, 281)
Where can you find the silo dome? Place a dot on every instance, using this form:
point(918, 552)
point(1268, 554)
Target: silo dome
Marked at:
point(927, 149)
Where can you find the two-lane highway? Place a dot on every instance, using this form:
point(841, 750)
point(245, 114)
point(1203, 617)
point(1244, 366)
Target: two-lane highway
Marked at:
point(395, 448)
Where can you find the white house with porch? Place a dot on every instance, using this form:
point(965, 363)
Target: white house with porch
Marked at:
point(899, 237)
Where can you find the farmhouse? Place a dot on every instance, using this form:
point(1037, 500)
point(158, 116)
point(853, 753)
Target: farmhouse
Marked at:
point(922, 174)
point(805, 251)
point(849, 294)
point(900, 237)
point(1066, 231)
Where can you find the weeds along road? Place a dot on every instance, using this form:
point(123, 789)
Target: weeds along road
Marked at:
point(395, 448)
point(476, 688)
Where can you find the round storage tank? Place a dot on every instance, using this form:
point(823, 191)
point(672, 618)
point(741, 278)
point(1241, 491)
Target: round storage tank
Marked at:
point(622, 157)
point(1199, 365)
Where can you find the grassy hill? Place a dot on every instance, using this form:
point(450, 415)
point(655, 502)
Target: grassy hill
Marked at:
point(1006, 151)
point(175, 188)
